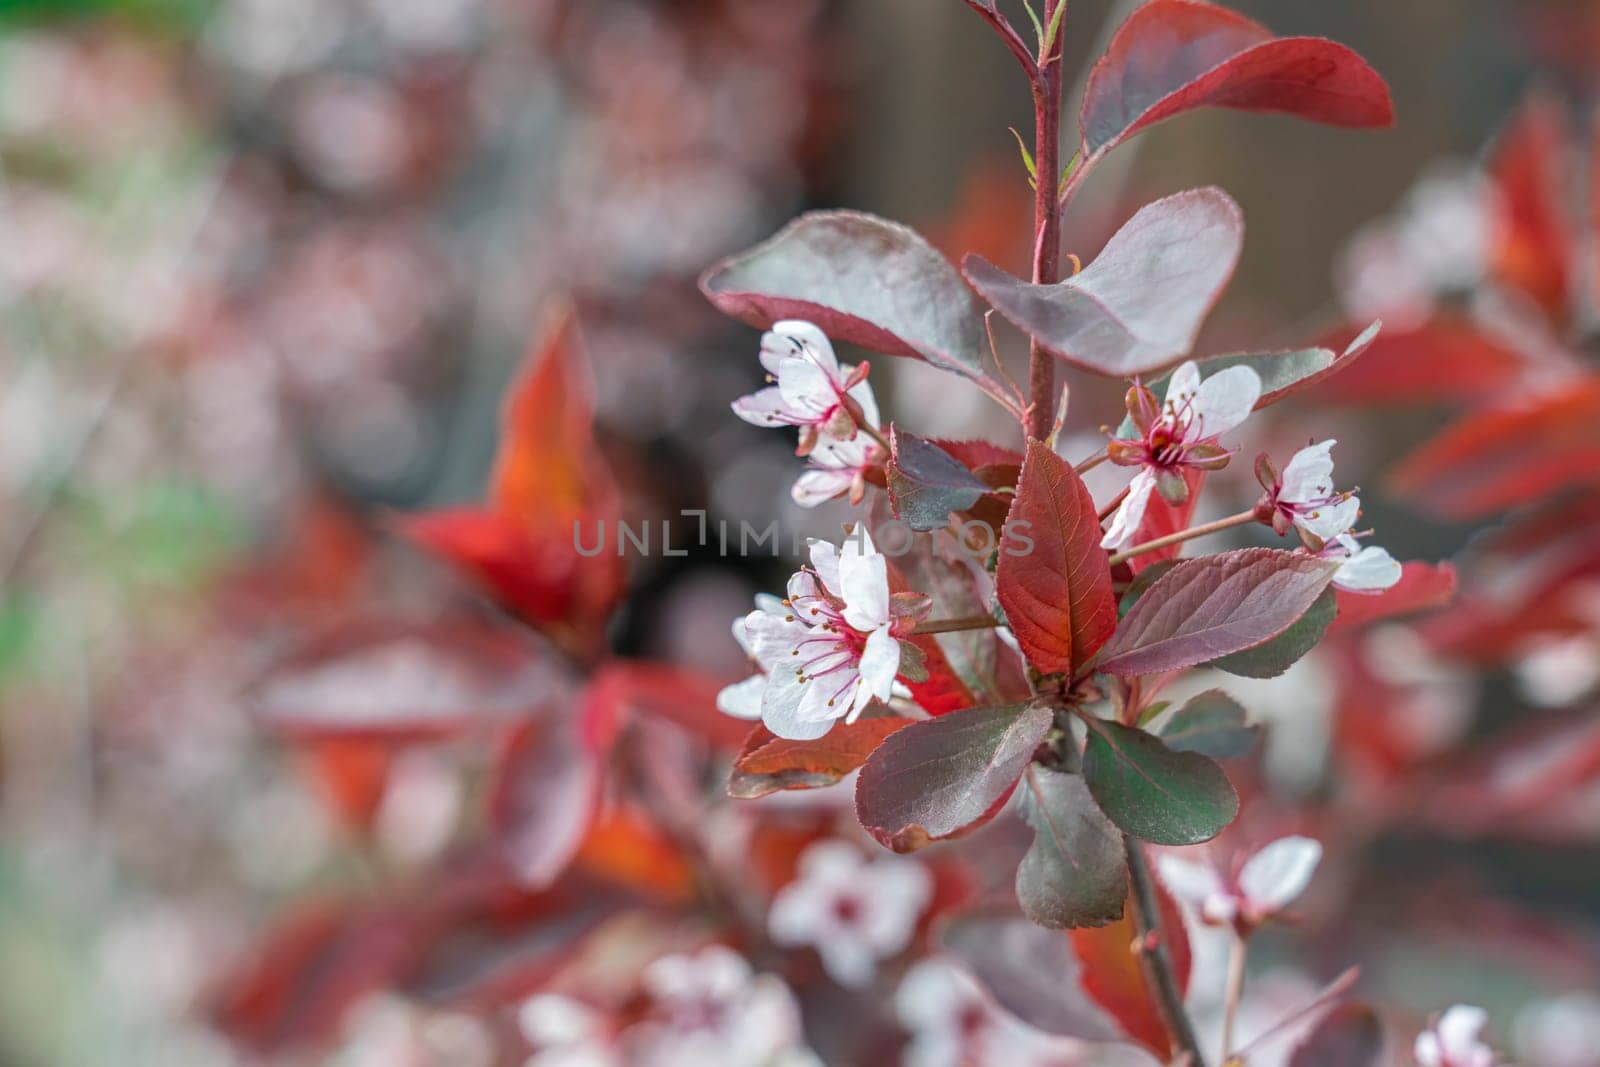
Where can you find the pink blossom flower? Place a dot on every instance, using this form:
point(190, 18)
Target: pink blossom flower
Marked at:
point(1263, 886)
point(1361, 570)
point(1180, 432)
point(834, 648)
point(1303, 497)
point(854, 912)
point(1452, 1041)
point(837, 468)
point(710, 1009)
point(814, 392)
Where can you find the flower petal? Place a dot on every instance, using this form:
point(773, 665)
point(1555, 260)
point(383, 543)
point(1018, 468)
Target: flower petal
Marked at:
point(861, 393)
point(825, 561)
point(780, 708)
point(811, 337)
point(1328, 521)
point(742, 700)
point(880, 662)
point(863, 582)
point(1309, 475)
point(1184, 385)
point(806, 387)
point(1224, 401)
point(1371, 570)
point(765, 407)
point(1279, 873)
point(815, 487)
point(1125, 523)
point(1188, 881)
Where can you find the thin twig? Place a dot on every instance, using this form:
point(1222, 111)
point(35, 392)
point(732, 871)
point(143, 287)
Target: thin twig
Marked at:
point(1008, 33)
point(1230, 1007)
point(1154, 957)
point(1185, 535)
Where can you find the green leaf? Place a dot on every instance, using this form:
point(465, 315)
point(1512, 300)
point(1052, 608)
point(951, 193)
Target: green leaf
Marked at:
point(1074, 875)
point(1212, 724)
point(943, 777)
point(1282, 652)
point(1152, 792)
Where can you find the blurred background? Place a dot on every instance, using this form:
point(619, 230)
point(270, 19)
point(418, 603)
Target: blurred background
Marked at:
point(267, 269)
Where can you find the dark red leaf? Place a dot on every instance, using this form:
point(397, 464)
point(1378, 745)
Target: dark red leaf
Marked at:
point(926, 483)
point(677, 694)
point(1115, 979)
point(942, 778)
point(1207, 608)
point(1173, 56)
point(1442, 362)
point(1139, 306)
point(1058, 596)
point(1530, 164)
point(768, 764)
point(1501, 459)
point(861, 279)
point(1422, 587)
point(549, 486)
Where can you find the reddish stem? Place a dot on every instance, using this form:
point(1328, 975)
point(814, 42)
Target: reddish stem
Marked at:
point(1046, 220)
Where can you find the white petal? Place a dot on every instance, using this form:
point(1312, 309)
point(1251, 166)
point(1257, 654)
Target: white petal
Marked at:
point(816, 487)
point(1458, 1031)
point(1125, 523)
point(1309, 475)
point(1184, 385)
point(1330, 520)
point(1426, 1051)
point(799, 912)
point(1279, 873)
point(812, 337)
point(780, 708)
point(1371, 570)
point(773, 638)
point(763, 408)
point(847, 960)
point(770, 604)
point(806, 387)
point(825, 561)
point(742, 700)
point(863, 583)
point(880, 662)
point(1224, 401)
point(1189, 881)
point(861, 393)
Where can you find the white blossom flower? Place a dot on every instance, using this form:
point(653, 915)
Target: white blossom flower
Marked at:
point(1563, 1032)
point(1180, 433)
point(742, 700)
point(565, 1032)
point(1367, 569)
point(814, 392)
point(1452, 1041)
point(1303, 496)
point(710, 1009)
point(853, 911)
point(837, 468)
point(1268, 882)
point(834, 650)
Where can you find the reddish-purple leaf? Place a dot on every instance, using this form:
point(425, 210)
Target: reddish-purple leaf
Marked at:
point(941, 778)
point(1210, 607)
point(862, 279)
point(1074, 873)
point(1350, 1036)
point(543, 798)
point(1030, 972)
point(769, 764)
point(1422, 587)
point(926, 483)
point(1501, 459)
point(1057, 597)
point(1173, 56)
point(1115, 977)
point(1140, 305)
point(1283, 373)
point(400, 681)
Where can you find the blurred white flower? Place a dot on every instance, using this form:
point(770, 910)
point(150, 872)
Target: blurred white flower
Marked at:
point(1563, 1032)
point(565, 1032)
point(853, 911)
point(1453, 1041)
point(1268, 882)
point(711, 1010)
point(952, 1024)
